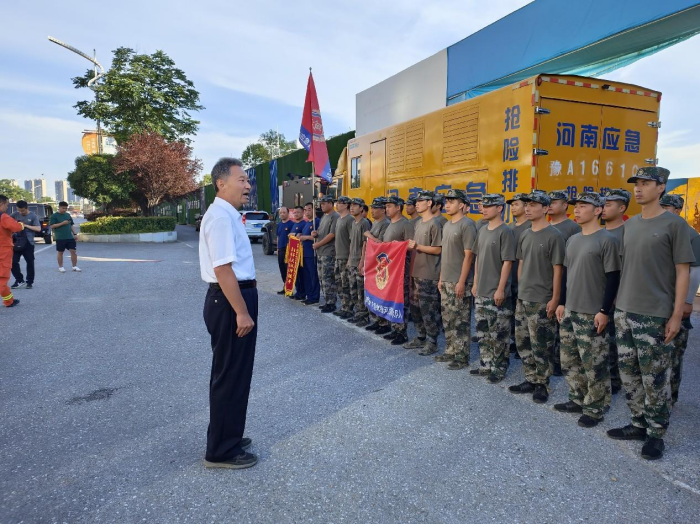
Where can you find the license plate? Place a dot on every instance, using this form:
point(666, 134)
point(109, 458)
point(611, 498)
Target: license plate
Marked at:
point(257, 225)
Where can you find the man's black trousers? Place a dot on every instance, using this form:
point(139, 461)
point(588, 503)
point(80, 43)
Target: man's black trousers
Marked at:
point(231, 372)
point(28, 254)
point(283, 265)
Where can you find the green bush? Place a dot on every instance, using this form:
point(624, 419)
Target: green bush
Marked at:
point(127, 225)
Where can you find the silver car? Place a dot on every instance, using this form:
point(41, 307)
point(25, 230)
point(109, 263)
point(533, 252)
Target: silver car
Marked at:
point(254, 222)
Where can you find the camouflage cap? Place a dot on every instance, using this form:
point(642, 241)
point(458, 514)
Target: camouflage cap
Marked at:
point(558, 195)
point(459, 194)
point(539, 197)
point(439, 199)
point(659, 174)
point(672, 200)
point(493, 199)
point(411, 201)
point(588, 197)
point(397, 201)
point(379, 202)
point(618, 194)
point(358, 201)
point(515, 197)
point(327, 198)
point(344, 200)
point(476, 199)
point(425, 195)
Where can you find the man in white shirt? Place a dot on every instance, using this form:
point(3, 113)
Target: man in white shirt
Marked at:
point(230, 314)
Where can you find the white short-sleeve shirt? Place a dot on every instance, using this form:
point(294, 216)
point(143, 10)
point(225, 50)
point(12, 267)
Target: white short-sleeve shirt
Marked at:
point(223, 240)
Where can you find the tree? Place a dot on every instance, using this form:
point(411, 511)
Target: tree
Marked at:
point(94, 178)
point(14, 192)
point(270, 144)
point(142, 93)
point(206, 181)
point(160, 170)
point(44, 200)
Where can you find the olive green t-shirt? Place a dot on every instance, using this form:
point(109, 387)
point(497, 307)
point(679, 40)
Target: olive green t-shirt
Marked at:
point(64, 232)
point(442, 220)
point(617, 235)
point(481, 223)
point(357, 238)
point(651, 248)
point(588, 259)
point(400, 230)
point(694, 245)
point(539, 251)
point(415, 220)
point(456, 238)
point(568, 228)
point(517, 230)
point(327, 226)
point(343, 226)
point(492, 248)
point(378, 228)
point(427, 266)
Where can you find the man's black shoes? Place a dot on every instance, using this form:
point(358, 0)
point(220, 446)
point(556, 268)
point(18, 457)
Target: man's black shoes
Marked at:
point(653, 448)
point(245, 460)
point(17, 285)
point(373, 326)
point(382, 330)
point(568, 407)
point(399, 340)
point(15, 302)
point(586, 421)
point(390, 336)
point(29, 286)
point(280, 292)
point(328, 308)
point(524, 387)
point(541, 394)
point(246, 443)
point(309, 302)
point(629, 432)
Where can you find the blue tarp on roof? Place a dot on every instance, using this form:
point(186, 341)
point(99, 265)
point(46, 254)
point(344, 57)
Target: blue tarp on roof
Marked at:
point(585, 37)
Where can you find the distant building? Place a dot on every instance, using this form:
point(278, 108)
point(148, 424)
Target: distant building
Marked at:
point(14, 183)
point(36, 187)
point(71, 196)
point(61, 190)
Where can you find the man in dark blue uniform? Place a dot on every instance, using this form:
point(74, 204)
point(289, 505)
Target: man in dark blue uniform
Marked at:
point(283, 229)
point(296, 230)
point(311, 283)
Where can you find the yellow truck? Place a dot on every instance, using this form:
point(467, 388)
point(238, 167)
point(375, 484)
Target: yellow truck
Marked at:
point(547, 132)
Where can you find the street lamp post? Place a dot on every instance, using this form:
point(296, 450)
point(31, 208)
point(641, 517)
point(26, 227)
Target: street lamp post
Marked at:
point(91, 83)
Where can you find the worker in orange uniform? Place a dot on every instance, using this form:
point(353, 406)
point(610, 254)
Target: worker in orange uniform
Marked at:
point(8, 225)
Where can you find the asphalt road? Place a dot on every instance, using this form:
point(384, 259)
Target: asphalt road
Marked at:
point(103, 413)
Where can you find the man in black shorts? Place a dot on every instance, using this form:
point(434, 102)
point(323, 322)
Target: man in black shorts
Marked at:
point(64, 235)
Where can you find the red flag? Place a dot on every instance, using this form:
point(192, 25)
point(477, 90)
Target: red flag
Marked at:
point(311, 133)
point(384, 274)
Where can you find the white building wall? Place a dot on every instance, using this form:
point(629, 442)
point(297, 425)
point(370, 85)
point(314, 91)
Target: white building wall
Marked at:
point(420, 89)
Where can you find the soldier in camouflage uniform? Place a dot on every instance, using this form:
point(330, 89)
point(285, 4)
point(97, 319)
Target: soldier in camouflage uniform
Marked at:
point(616, 203)
point(413, 217)
point(494, 251)
point(399, 230)
point(357, 277)
point(342, 252)
point(520, 224)
point(541, 252)
point(458, 237)
point(656, 256)
point(325, 253)
point(588, 292)
point(426, 272)
point(674, 204)
point(376, 234)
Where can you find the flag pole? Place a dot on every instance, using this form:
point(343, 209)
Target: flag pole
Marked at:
point(313, 185)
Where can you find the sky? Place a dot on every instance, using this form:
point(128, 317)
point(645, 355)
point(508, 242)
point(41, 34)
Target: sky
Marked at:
point(250, 60)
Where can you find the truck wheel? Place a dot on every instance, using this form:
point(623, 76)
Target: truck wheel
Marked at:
point(267, 246)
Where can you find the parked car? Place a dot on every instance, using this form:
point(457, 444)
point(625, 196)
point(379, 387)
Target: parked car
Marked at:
point(269, 231)
point(43, 213)
point(198, 221)
point(254, 222)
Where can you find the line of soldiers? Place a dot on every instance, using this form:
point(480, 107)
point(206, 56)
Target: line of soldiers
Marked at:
point(611, 305)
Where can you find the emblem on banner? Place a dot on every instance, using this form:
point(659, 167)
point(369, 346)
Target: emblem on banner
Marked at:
point(382, 276)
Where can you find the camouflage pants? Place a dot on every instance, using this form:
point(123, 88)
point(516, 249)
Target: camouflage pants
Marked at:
point(493, 332)
point(615, 380)
point(584, 361)
point(534, 336)
point(401, 328)
point(425, 308)
point(326, 276)
point(357, 292)
point(645, 368)
point(679, 343)
point(457, 320)
point(342, 279)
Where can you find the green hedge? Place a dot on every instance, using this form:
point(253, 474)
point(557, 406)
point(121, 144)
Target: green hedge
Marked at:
point(127, 225)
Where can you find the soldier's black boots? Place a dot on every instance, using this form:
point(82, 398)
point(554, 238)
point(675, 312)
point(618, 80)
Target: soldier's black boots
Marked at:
point(569, 407)
point(588, 422)
point(629, 432)
point(541, 394)
point(373, 326)
point(653, 448)
point(525, 387)
point(399, 340)
point(383, 330)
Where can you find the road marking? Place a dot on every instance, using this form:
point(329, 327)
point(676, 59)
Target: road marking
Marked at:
point(42, 249)
point(98, 259)
point(681, 484)
point(181, 242)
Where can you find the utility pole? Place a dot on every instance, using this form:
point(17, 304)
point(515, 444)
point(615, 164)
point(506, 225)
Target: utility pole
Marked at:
point(91, 83)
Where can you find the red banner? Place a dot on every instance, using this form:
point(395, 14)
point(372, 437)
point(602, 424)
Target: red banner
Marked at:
point(292, 257)
point(384, 274)
point(311, 133)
